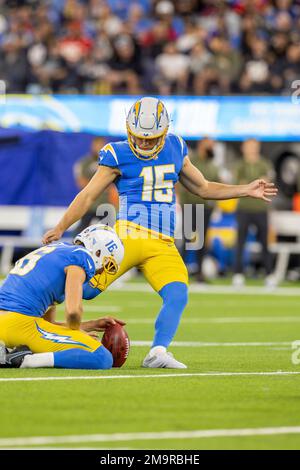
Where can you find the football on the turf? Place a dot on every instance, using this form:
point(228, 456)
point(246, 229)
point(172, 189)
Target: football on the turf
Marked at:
point(116, 340)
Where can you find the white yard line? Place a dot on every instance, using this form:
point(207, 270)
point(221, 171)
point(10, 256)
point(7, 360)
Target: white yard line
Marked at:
point(151, 376)
point(197, 289)
point(277, 319)
point(200, 344)
point(220, 320)
point(50, 447)
point(228, 303)
point(146, 436)
point(99, 308)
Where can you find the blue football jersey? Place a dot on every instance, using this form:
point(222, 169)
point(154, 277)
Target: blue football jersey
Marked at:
point(38, 280)
point(147, 187)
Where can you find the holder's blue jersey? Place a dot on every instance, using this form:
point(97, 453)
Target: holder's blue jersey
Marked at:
point(146, 187)
point(38, 280)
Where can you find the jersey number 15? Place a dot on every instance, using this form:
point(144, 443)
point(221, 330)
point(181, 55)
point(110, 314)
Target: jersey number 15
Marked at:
point(155, 186)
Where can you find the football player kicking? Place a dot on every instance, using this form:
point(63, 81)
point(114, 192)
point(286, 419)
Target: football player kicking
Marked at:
point(145, 169)
point(47, 276)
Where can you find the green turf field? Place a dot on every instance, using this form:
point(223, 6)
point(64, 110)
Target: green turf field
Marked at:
point(232, 345)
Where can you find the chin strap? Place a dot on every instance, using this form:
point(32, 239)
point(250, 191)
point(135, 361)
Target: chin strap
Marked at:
point(110, 266)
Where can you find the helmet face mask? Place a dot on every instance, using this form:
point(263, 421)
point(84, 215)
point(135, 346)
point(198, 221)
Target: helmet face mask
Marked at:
point(147, 120)
point(151, 151)
point(104, 246)
point(110, 265)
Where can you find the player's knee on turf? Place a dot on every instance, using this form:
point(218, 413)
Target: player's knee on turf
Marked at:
point(77, 358)
point(103, 358)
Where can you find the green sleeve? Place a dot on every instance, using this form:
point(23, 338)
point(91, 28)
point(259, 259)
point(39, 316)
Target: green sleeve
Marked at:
point(269, 170)
point(216, 176)
point(79, 168)
point(85, 170)
point(237, 173)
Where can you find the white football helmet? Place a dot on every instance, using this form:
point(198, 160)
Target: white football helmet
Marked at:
point(147, 119)
point(104, 245)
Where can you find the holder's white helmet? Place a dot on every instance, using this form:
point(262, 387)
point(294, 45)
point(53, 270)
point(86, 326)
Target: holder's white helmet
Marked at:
point(104, 245)
point(147, 119)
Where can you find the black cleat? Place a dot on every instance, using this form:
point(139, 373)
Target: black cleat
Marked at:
point(3, 352)
point(14, 358)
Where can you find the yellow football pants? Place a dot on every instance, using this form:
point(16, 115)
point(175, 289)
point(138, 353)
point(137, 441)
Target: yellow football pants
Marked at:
point(41, 336)
point(154, 254)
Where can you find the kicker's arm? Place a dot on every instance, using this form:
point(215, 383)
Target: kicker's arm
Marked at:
point(194, 181)
point(78, 208)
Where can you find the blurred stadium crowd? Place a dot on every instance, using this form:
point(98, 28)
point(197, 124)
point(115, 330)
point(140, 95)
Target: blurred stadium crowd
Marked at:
point(232, 229)
point(171, 47)
point(150, 46)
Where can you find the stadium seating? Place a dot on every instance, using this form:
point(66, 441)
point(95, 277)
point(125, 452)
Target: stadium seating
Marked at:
point(284, 224)
point(21, 219)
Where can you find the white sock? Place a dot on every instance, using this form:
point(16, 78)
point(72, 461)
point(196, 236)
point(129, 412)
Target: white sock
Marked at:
point(32, 361)
point(157, 350)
